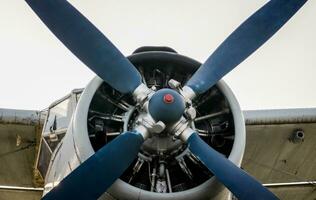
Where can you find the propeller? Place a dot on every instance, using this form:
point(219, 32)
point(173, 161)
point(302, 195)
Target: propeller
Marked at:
point(241, 184)
point(246, 39)
point(84, 40)
point(95, 175)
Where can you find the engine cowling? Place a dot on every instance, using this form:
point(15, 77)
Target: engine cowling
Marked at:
point(102, 113)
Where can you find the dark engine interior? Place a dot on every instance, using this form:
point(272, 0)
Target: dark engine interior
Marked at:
point(164, 163)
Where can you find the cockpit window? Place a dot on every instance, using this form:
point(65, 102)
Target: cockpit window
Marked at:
point(58, 116)
point(55, 129)
point(45, 154)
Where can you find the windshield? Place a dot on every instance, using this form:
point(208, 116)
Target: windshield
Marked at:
point(58, 116)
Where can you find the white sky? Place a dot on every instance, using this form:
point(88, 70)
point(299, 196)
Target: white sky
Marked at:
point(36, 69)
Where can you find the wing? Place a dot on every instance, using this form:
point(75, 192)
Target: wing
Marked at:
point(281, 149)
point(18, 144)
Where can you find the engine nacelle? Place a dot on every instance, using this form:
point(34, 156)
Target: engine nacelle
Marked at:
point(164, 169)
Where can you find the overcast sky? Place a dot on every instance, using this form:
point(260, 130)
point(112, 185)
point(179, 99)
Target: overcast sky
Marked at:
point(37, 69)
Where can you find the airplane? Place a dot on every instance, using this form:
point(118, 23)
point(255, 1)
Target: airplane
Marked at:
point(154, 116)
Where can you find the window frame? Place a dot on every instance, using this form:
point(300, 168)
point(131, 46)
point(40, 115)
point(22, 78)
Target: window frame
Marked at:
point(73, 101)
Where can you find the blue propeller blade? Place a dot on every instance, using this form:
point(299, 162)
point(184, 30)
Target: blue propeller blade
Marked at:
point(94, 176)
point(246, 39)
point(241, 184)
point(81, 37)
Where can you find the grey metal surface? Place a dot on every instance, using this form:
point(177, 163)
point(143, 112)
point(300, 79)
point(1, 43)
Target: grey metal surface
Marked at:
point(280, 116)
point(295, 193)
point(272, 157)
point(301, 183)
point(19, 188)
point(27, 117)
point(20, 195)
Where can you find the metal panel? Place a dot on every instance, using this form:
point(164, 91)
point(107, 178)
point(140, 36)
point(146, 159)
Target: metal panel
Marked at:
point(272, 157)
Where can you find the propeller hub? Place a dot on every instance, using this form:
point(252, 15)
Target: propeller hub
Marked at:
point(166, 105)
